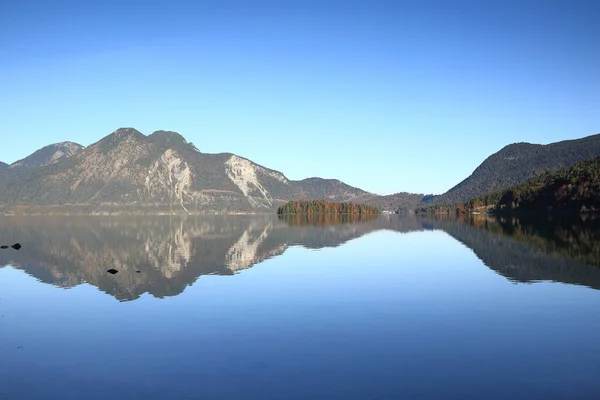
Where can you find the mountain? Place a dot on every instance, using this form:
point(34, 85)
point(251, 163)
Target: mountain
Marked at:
point(572, 189)
point(575, 188)
point(3, 165)
point(518, 162)
point(48, 155)
point(398, 201)
point(128, 172)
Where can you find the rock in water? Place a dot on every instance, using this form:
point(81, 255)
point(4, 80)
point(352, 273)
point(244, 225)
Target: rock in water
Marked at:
point(112, 271)
point(16, 246)
point(4, 247)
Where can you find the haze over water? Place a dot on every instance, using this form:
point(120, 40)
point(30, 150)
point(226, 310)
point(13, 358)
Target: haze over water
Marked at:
point(252, 307)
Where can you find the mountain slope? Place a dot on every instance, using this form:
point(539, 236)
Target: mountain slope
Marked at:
point(48, 155)
point(517, 162)
point(392, 202)
point(576, 188)
point(127, 171)
point(327, 189)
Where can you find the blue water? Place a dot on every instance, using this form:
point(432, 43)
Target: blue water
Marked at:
point(383, 315)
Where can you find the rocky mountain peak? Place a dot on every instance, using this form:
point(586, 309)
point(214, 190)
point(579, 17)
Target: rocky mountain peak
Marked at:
point(167, 135)
point(48, 155)
point(171, 140)
point(118, 137)
point(126, 132)
point(71, 146)
point(167, 139)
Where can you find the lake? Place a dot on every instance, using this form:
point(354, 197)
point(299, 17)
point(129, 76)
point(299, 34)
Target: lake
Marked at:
point(257, 307)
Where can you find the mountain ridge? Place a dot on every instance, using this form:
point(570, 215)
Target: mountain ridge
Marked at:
point(161, 172)
point(47, 155)
point(129, 172)
point(517, 162)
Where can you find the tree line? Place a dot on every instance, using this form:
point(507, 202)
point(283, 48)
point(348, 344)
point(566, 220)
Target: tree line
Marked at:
point(315, 207)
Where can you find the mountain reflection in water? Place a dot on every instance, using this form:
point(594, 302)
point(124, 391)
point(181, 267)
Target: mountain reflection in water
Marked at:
point(170, 253)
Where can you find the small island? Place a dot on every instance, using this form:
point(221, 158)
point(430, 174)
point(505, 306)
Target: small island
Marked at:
point(318, 207)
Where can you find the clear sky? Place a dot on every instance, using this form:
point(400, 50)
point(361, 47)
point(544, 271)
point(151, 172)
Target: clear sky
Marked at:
point(388, 96)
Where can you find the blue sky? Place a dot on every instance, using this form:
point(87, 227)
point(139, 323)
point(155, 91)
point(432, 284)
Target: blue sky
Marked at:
point(387, 96)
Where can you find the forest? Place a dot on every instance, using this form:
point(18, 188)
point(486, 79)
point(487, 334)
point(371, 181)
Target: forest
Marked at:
point(316, 207)
point(572, 189)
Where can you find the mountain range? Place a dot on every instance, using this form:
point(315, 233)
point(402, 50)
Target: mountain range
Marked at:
point(129, 172)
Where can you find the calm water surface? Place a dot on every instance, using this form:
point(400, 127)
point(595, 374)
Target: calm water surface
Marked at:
point(257, 307)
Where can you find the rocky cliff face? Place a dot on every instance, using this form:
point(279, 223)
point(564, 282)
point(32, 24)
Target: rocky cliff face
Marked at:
point(129, 172)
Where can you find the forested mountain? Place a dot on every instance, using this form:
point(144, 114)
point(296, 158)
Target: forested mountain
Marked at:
point(574, 189)
point(518, 162)
point(128, 172)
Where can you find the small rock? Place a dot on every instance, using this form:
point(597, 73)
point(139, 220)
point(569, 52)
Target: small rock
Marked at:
point(16, 246)
point(112, 271)
point(137, 272)
point(4, 247)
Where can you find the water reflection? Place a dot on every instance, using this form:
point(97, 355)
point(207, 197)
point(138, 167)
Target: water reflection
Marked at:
point(565, 249)
point(325, 219)
point(170, 253)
